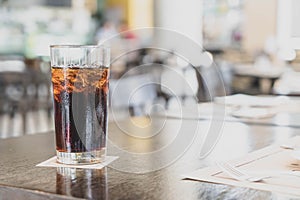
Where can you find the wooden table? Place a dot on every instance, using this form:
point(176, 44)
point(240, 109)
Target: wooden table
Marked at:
point(21, 179)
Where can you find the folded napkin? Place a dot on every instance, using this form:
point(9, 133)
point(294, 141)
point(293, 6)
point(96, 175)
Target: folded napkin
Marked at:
point(278, 162)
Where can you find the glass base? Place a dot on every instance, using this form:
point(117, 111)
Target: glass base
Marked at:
point(81, 157)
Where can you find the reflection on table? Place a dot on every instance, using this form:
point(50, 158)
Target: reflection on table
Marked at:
point(82, 183)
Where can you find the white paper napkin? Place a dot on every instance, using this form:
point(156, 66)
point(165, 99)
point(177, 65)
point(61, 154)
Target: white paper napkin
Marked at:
point(53, 163)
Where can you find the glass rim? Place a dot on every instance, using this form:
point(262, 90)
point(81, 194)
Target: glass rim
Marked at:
point(78, 46)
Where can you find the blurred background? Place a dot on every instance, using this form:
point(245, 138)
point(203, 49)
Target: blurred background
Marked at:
point(253, 44)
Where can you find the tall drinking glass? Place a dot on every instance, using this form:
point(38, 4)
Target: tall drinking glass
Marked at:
point(80, 91)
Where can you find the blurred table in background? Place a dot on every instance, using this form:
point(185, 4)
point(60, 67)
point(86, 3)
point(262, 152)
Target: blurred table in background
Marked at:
point(257, 76)
point(265, 110)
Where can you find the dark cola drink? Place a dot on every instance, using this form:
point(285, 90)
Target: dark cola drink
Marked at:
point(80, 108)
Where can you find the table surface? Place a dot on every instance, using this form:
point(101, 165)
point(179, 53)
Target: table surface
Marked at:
point(153, 156)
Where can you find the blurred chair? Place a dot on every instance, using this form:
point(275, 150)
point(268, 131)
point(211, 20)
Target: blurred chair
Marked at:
point(213, 81)
point(13, 96)
point(132, 93)
point(196, 83)
point(39, 87)
point(23, 90)
point(199, 83)
point(178, 84)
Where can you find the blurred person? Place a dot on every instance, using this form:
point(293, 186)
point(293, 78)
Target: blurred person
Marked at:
point(125, 31)
point(106, 31)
